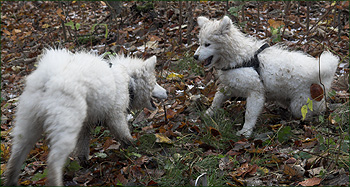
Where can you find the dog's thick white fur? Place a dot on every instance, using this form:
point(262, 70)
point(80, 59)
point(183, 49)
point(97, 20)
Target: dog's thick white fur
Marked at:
point(67, 94)
point(285, 76)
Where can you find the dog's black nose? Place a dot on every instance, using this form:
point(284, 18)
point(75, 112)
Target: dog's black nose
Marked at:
point(195, 57)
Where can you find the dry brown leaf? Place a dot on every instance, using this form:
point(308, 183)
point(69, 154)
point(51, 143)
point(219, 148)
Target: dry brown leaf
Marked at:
point(60, 14)
point(170, 113)
point(288, 170)
point(243, 169)
point(214, 132)
point(316, 92)
point(253, 169)
point(6, 32)
point(275, 24)
point(311, 182)
point(108, 143)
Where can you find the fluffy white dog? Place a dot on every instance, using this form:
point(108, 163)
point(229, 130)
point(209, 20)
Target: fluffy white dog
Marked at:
point(249, 68)
point(67, 94)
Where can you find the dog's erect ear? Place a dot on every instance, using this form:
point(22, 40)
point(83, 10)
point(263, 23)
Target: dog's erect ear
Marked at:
point(202, 20)
point(225, 24)
point(151, 62)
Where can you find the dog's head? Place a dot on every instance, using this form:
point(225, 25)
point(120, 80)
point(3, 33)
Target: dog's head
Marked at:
point(143, 86)
point(213, 34)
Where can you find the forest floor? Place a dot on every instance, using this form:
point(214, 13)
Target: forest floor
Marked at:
point(177, 144)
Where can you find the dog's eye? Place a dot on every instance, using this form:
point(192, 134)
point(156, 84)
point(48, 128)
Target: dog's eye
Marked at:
point(207, 44)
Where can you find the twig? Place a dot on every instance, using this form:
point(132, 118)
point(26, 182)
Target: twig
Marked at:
point(307, 16)
point(190, 22)
point(314, 26)
point(180, 23)
point(63, 27)
point(165, 117)
point(258, 2)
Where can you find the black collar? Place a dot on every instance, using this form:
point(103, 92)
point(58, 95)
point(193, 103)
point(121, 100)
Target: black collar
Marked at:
point(253, 62)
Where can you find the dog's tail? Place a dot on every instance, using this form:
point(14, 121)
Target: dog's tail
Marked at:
point(329, 64)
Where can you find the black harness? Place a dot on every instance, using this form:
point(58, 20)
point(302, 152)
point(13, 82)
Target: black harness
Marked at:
point(253, 62)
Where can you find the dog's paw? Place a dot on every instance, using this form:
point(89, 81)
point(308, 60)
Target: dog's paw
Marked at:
point(245, 132)
point(209, 112)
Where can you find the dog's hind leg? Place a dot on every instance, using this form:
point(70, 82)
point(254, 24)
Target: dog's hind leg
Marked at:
point(82, 149)
point(219, 98)
point(63, 126)
point(25, 135)
point(254, 106)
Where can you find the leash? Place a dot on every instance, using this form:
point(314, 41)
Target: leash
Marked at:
point(253, 62)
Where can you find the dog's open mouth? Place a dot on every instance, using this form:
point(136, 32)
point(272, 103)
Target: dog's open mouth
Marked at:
point(152, 103)
point(207, 61)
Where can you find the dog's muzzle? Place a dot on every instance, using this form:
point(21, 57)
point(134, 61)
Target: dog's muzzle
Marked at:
point(195, 57)
point(207, 61)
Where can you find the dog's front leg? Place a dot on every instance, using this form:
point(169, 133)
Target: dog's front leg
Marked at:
point(254, 106)
point(118, 126)
point(219, 98)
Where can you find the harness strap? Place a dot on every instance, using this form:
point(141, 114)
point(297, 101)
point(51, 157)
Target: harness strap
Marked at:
point(253, 62)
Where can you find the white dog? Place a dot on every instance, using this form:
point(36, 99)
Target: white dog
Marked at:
point(67, 94)
point(249, 68)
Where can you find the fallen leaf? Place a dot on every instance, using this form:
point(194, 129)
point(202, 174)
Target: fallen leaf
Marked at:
point(15, 31)
point(275, 127)
point(45, 26)
point(59, 12)
point(108, 143)
point(103, 3)
point(26, 183)
point(143, 159)
point(315, 171)
point(214, 132)
point(288, 170)
point(263, 170)
point(170, 113)
point(243, 169)
point(174, 76)
point(3, 167)
point(311, 182)
point(275, 24)
point(161, 138)
point(6, 32)
point(316, 92)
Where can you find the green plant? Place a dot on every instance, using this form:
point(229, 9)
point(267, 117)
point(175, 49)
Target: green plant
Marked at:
point(234, 11)
point(223, 122)
point(72, 25)
point(276, 34)
point(306, 107)
point(85, 38)
point(73, 166)
point(39, 176)
point(109, 54)
point(187, 64)
point(284, 134)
